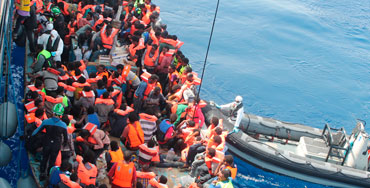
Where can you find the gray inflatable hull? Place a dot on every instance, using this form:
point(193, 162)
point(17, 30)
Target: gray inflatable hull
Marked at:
point(283, 162)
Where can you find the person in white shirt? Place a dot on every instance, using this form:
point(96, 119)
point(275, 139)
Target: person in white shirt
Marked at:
point(235, 111)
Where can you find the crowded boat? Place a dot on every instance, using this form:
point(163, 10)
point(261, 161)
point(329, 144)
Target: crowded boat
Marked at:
point(111, 100)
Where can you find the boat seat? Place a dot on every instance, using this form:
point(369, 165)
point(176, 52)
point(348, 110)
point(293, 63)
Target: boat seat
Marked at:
point(313, 148)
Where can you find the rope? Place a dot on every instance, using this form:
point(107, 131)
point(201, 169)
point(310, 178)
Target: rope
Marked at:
point(205, 59)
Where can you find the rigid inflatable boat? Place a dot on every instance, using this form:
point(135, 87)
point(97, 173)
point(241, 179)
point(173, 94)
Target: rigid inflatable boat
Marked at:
point(325, 156)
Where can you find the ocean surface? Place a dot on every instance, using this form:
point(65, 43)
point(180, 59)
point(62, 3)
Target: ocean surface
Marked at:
point(301, 61)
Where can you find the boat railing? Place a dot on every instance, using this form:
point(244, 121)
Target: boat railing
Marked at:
point(339, 143)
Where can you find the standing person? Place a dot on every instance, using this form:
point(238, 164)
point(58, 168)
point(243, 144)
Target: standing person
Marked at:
point(55, 130)
point(55, 45)
point(234, 110)
point(123, 173)
point(30, 23)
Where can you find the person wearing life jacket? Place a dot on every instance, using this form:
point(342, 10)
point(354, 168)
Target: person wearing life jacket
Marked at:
point(118, 120)
point(148, 125)
point(234, 110)
point(79, 85)
point(115, 79)
point(107, 35)
point(216, 143)
point(86, 170)
point(145, 175)
point(228, 163)
point(92, 116)
point(192, 151)
point(161, 184)
point(194, 112)
point(59, 173)
point(155, 102)
point(55, 131)
point(51, 101)
point(212, 160)
point(32, 106)
point(102, 71)
point(114, 155)
point(67, 8)
point(68, 89)
point(166, 134)
point(215, 122)
point(134, 47)
point(97, 139)
point(223, 180)
point(34, 120)
point(150, 57)
point(148, 153)
point(69, 181)
point(123, 173)
point(87, 98)
point(182, 65)
point(130, 79)
point(143, 91)
point(50, 77)
point(133, 135)
point(103, 107)
point(173, 77)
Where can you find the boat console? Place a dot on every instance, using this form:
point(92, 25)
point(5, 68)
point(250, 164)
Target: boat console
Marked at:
point(335, 146)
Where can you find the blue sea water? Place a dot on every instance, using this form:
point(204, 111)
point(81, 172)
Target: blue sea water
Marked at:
point(301, 61)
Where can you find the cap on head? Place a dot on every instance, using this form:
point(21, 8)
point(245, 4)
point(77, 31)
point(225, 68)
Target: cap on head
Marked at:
point(238, 99)
point(55, 10)
point(58, 109)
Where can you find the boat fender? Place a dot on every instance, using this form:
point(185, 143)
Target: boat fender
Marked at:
point(6, 155)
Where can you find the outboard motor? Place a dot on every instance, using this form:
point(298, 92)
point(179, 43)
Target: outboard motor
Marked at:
point(358, 142)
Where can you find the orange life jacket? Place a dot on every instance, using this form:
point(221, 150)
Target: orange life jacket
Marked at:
point(102, 74)
point(148, 89)
point(123, 174)
point(150, 61)
point(233, 171)
point(31, 118)
point(126, 70)
point(108, 40)
point(145, 175)
point(54, 100)
point(86, 176)
point(31, 108)
point(118, 81)
point(174, 82)
point(135, 135)
point(83, 66)
point(169, 41)
point(123, 112)
point(53, 71)
point(94, 80)
point(91, 128)
point(88, 94)
point(65, 10)
point(79, 85)
point(116, 155)
point(146, 18)
point(68, 182)
point(65, 77)
point(104, 101)
point(145, 76)
point(67, 87)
